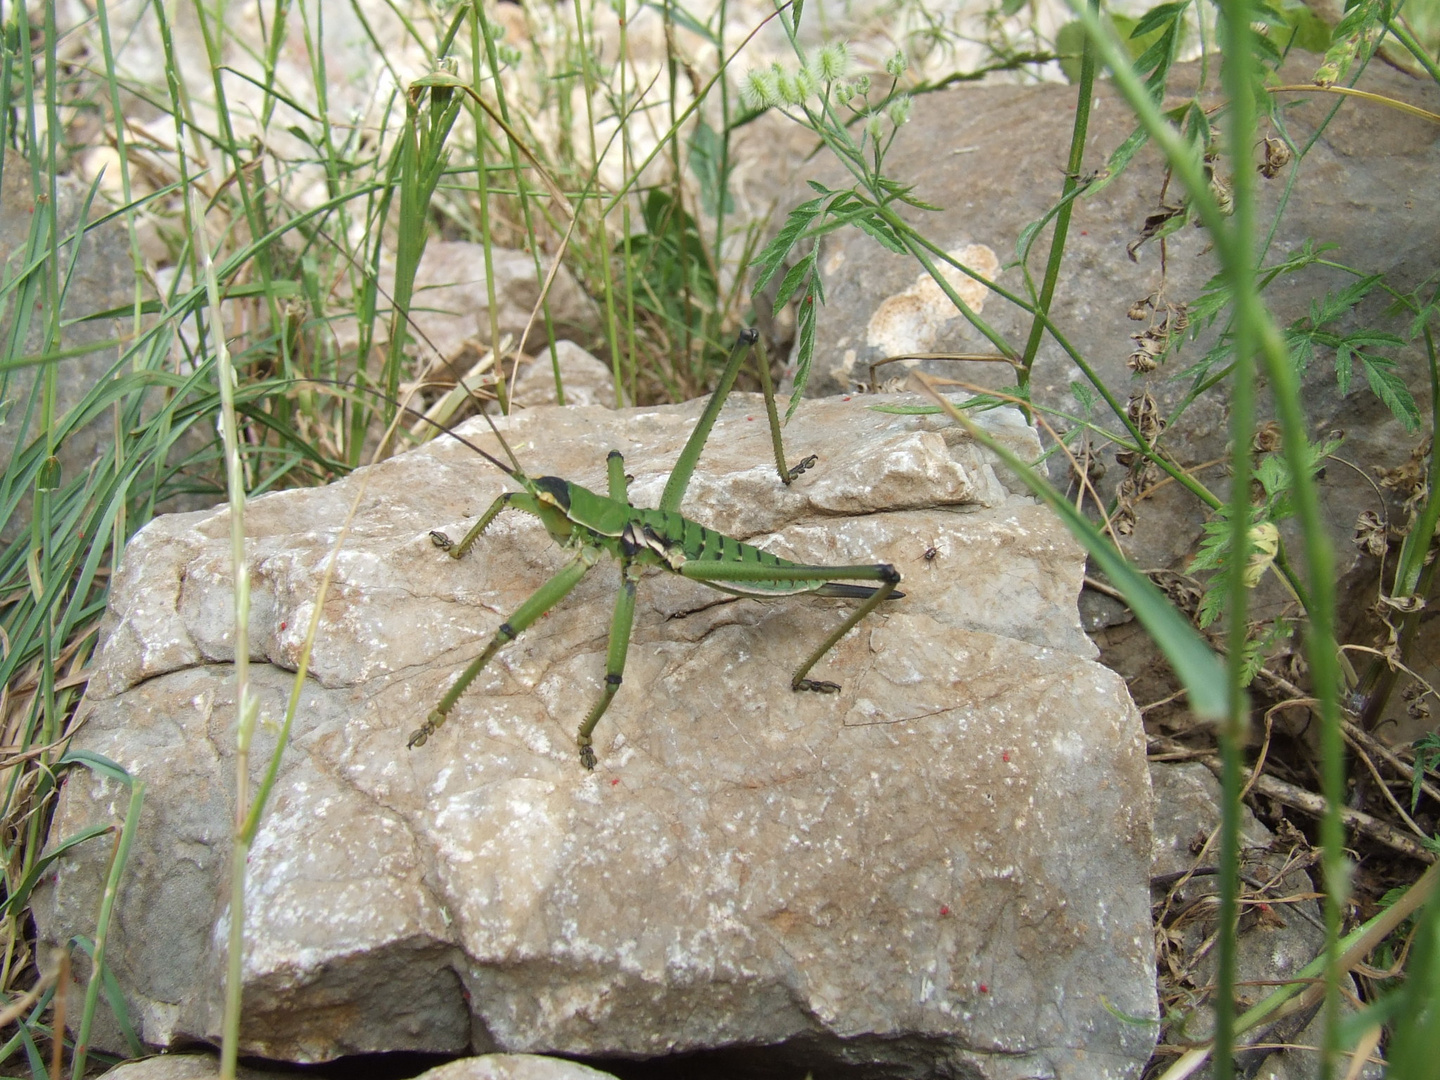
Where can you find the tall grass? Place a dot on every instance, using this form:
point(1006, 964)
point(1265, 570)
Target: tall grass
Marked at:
point(276, 252)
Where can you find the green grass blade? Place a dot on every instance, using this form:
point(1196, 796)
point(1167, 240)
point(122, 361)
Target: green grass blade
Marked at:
point(1196, 665)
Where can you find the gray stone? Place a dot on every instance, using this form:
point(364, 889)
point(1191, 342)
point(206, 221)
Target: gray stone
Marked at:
point(451, 305)
point(941, 870)
point(586, 380)
point(180, 1067)
point(97, 275)
point(512, 1067)
point(992, 157)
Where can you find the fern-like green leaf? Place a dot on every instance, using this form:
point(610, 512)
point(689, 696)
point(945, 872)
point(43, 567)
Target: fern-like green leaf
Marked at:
point(1387, 385)
point(774, 254)
point(805, 352)
point(792, 281)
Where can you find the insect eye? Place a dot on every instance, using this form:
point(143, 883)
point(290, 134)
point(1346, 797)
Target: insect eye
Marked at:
point(558, 490)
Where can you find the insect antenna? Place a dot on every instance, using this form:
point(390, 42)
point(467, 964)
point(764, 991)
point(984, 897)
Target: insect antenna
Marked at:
point(517, 472)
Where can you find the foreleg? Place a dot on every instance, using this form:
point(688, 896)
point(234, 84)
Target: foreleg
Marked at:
point(541, 601)
point(518, 499)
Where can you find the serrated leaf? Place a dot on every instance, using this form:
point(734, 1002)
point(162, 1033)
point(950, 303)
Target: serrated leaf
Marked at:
point(804, 353)
point(1222, 352)
point(1197, 126)
point(1160, 15)
point(817, 285)
point(920, 204)
point(1335, 304)
point(1115, 164)
point(1271, 474)
point(1265, 48)
point(773, 256)
point(1307, 255)
point(1391, 389)
point(1362, 339)
point(1302, 349)
point(1156, 59)
point(1422, 317)
point(845, 211)
point(1154, 51)
point(1214, 555)
point(1254, 661)
point(880, 229)
point(1213, 299)
point(792, 281)
point(1342, 369)
point(1214, 543)
point(1356, 30)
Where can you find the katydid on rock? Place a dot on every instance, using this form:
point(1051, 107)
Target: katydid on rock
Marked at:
point(591, 525)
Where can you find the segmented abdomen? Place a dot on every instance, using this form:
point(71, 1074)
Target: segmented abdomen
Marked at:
point(677, 540)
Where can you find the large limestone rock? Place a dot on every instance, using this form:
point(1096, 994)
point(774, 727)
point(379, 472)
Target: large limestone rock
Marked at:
point(939, 871)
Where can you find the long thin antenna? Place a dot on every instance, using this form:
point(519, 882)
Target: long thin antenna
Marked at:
point(508, 452)
point(517, 473)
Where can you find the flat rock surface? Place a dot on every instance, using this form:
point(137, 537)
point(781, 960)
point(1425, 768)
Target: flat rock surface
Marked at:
point(940, 870)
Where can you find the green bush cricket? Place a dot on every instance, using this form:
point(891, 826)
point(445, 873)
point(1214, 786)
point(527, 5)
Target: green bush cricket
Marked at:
point(591, 525)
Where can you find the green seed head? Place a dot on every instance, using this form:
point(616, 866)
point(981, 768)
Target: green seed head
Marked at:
point(833, 62)
point(762, 90)
point(786, 88)
point(897, 64)
point(806, 85)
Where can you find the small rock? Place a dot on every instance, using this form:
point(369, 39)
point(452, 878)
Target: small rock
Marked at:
point(181, 1067)
point(450, 311)
point(512, 1067)
point(586, 380)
